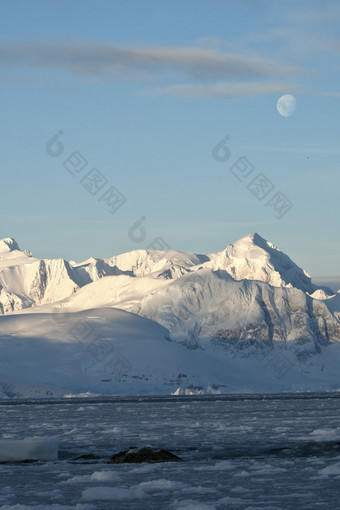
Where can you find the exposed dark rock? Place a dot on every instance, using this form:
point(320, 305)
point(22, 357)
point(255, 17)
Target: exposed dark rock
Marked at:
point(88, 456)
point(14, 462)
point(138, 455)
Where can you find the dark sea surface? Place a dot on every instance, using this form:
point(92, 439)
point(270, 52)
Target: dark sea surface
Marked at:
point(239, 452)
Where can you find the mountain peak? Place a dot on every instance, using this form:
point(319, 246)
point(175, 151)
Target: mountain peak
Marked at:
point(256, 240)
point(251, 246)
point(255, 237)
point(8, 244)
point(254, 258)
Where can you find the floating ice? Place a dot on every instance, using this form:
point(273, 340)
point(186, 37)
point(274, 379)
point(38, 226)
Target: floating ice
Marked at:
point(108, 493)
point(30, 448)
point(334, 469)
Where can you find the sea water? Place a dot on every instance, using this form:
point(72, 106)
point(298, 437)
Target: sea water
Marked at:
point(239, 452)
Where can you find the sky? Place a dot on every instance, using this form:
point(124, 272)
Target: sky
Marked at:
point(129, 124)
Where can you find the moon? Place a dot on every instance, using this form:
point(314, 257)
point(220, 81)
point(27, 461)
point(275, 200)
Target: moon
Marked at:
point(286, 105)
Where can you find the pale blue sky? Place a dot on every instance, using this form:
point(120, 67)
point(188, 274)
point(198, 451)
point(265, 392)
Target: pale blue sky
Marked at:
point(144, 91)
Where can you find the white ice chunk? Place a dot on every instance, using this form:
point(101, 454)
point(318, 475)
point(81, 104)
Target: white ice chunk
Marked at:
point(108, 493)
point(334, 469)
point(30, 448)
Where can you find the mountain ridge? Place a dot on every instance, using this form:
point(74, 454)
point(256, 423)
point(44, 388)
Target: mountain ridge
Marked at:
point(244, 317)
point(26, 281)
point(250, 290)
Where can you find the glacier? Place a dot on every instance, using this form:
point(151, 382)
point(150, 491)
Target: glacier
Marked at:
point(246, 318)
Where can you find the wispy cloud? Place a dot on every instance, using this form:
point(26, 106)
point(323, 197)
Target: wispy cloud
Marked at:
point(126, 63)
point(297, 41)
point(328, 94)
point(304, 28)
point(324, 13)
point(220, 90)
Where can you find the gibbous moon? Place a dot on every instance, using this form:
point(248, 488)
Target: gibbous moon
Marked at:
point(286, 105)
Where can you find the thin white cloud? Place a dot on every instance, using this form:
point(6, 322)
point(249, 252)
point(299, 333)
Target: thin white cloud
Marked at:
point(126, 63)
point(327, 94)
point(298, 41)
point(227, 89)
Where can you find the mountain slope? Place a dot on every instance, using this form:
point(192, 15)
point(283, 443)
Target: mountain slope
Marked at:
point(26, 281)
point(104, 351)
point(208, 307)
point(254, 258)
point(173, 312)
point(110, 352)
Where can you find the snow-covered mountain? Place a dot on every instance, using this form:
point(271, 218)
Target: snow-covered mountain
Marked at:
point(26, 281)
point(243, 303)
point(109, 351)
point(254, 258)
